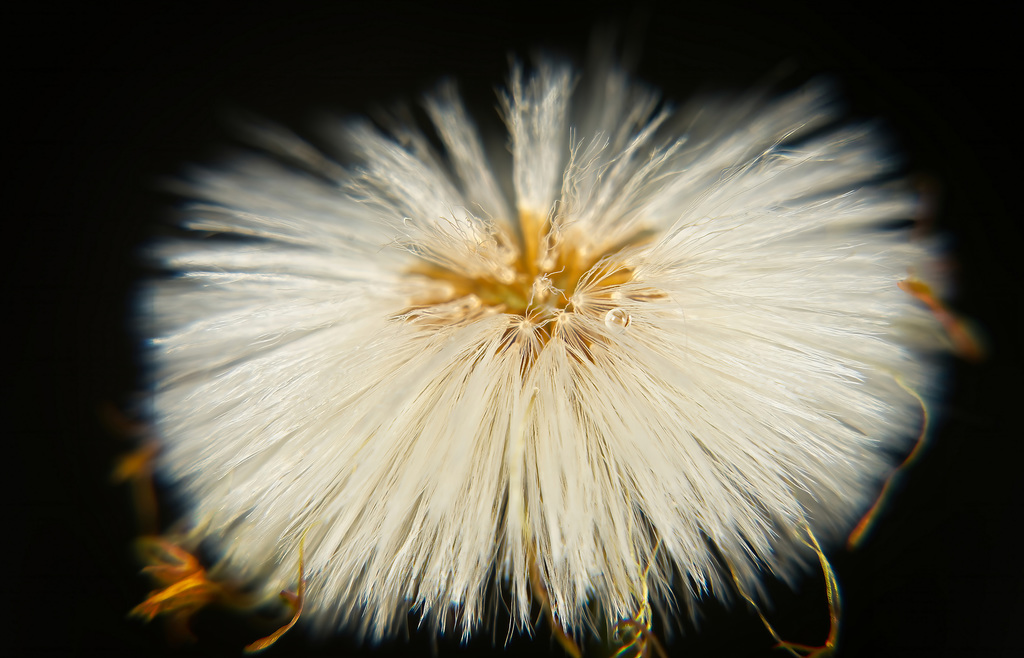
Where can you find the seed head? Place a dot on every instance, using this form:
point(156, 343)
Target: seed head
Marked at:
point(678, 343)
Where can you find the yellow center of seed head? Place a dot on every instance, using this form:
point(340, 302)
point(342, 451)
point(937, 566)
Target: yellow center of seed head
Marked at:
point(547, 271)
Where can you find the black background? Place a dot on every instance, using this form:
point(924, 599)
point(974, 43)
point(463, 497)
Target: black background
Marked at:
point(107, 101)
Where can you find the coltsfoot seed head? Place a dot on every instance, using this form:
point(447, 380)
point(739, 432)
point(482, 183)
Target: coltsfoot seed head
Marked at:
point(681, 337)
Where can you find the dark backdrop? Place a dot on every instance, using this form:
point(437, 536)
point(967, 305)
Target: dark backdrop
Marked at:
point(107, 101)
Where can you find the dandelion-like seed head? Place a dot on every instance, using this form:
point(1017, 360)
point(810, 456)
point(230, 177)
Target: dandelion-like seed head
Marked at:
point(676, 348)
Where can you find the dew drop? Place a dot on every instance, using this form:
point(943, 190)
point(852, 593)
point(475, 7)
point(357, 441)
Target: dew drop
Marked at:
point(617, 320)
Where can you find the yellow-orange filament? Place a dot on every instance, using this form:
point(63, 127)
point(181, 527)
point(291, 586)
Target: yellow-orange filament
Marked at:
point(540, 591)
point(136, 468)
point(867, 522)
point(965, 342)
point(635, 633)
point(294, 600)
point(834, 605)
point(186, 587)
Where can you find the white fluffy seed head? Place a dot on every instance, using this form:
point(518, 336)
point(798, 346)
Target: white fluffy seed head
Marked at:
point(685, 328)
